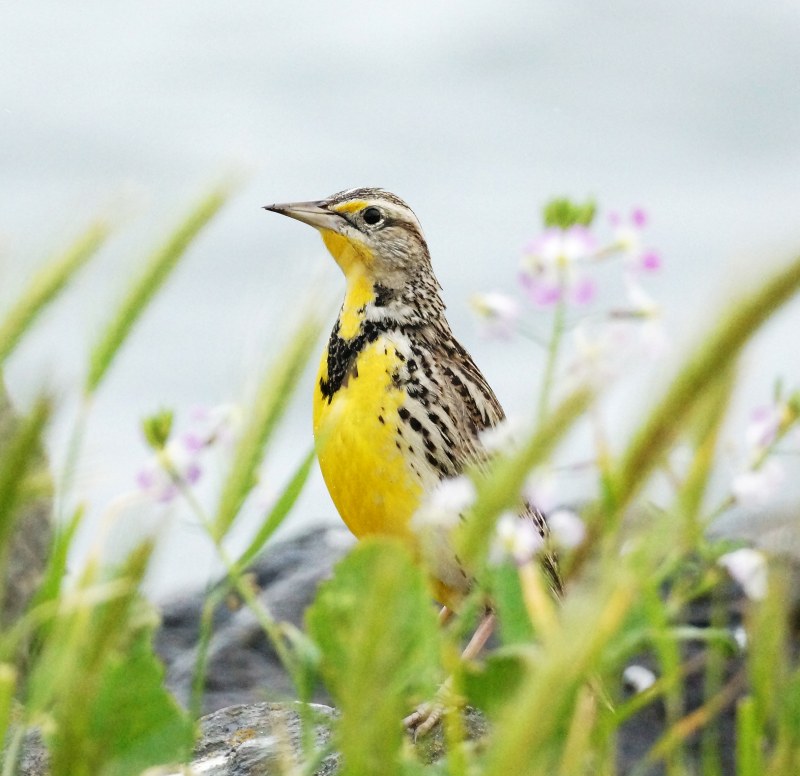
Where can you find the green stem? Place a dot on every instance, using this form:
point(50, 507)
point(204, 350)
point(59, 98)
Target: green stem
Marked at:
point(552, 355)
point(13, 750)
point(711, 741)
point(201, 659)
point(236, 575)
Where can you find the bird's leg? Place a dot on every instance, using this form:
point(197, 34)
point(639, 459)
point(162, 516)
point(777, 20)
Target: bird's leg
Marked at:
point(480, 637)
point(444, 615)
point(427, 715)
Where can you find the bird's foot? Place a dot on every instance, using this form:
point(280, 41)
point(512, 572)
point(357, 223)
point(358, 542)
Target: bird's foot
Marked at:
point(427, 715)
point(424, 718)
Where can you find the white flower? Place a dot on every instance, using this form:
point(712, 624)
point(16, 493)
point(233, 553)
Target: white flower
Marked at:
point(498, 314)
point(503, 437)
point(600, 353)
point(754, 487)
point(540, 489)
point(653, 338)
point(740, 637)
point(567, 528)
point(219, 423)
point(641, 302)
point(445, 505)
point(638, 678)
point(748, 568)
point(515, 538)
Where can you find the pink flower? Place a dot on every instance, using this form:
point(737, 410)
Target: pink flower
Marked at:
point(639, 217)
point(628, 239)
point(562, 245)
point(583, 291)
point(155, 483)
point(650, 261)
point(550, 266)
point(179, 463)
point(762, 430)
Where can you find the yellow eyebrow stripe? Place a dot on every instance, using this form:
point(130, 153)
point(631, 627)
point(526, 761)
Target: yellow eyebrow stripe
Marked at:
point(350, 207)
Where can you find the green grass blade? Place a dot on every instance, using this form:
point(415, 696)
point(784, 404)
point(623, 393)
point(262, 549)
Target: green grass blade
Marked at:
point(157, 271)
point(56, 569)
point(46, 285)
point(269, 405)
point(716, 353)
point(749, 761)
point(8, 686)
point(20, 454)
point(707, 429)
point(279, 511)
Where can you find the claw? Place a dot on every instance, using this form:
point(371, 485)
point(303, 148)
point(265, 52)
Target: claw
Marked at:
point(424, 719)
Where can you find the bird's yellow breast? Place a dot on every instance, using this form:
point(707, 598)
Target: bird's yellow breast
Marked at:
point(360, 453)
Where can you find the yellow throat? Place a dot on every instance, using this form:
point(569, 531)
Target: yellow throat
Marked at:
point(355, 428)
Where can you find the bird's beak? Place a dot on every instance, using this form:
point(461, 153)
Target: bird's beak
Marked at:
point(312, 213)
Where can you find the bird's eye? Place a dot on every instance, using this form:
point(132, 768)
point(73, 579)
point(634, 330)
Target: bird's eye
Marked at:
point(372, 216)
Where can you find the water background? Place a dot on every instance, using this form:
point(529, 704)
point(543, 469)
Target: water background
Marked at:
point(474, 112)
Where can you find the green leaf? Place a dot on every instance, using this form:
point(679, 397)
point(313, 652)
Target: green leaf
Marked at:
point(493, 683)
point(98, 683)
point(379, 639)
point(156, 272)
point(563, 213)
point(46, 285)
point(515, 623)
point(137, 721)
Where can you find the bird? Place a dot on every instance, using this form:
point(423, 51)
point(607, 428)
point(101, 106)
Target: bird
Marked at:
point(399, 405)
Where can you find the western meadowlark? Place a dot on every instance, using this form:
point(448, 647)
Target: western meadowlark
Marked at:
point(399, 405)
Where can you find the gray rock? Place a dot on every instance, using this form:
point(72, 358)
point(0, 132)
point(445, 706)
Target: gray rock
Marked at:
point(35, 760)
point(261, 739)
point(23, 559)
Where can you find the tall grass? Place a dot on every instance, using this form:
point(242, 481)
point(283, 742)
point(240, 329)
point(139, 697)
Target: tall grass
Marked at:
point(79, 666)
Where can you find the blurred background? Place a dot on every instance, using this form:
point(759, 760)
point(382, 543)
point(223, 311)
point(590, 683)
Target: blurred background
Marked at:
point(475, 113)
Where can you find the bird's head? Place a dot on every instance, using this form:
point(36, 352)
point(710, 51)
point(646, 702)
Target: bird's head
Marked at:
point(371, 233)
